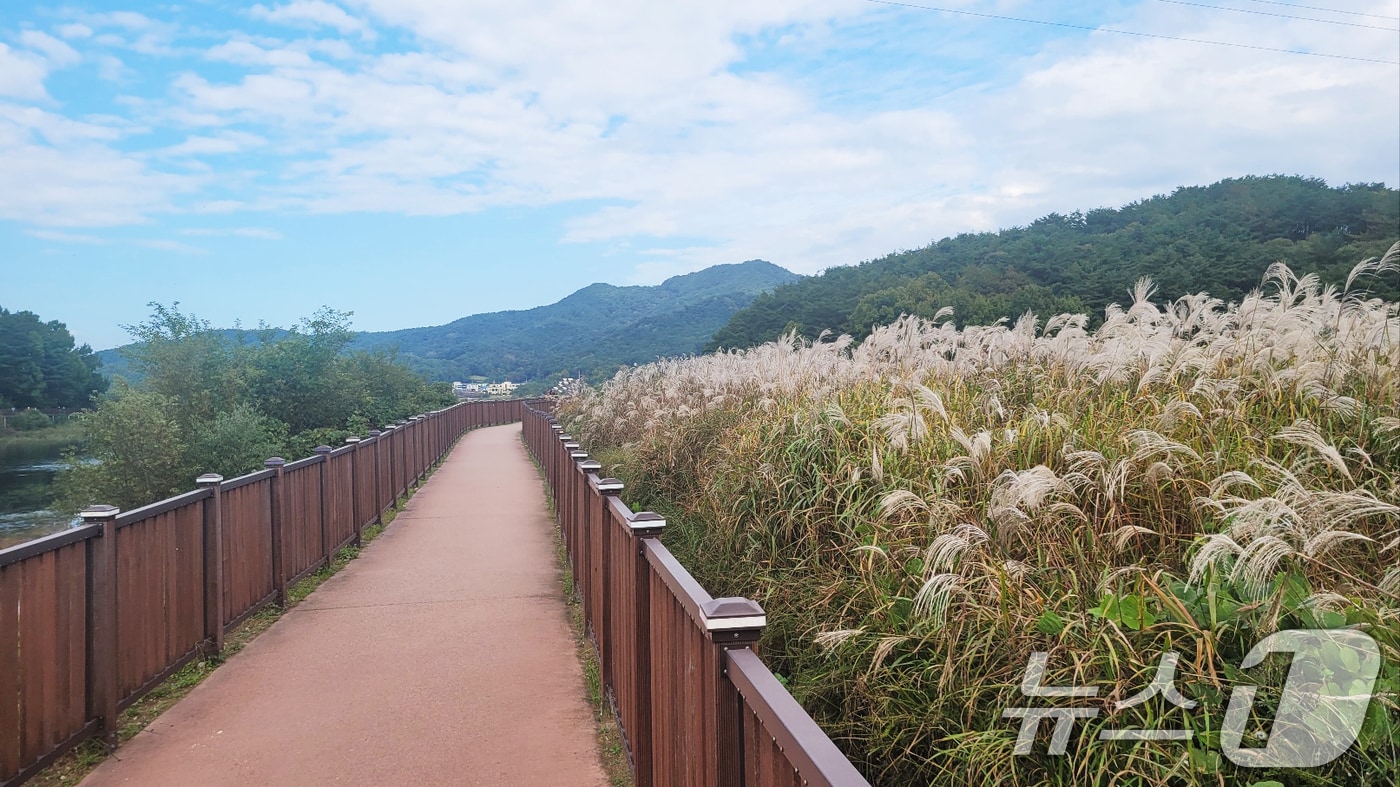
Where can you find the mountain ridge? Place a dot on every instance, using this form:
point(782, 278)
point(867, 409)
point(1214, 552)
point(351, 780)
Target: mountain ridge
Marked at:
point(590, 332)
point(1219, 239)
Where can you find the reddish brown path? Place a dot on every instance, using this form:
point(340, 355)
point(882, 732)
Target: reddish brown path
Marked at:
point(441, 656)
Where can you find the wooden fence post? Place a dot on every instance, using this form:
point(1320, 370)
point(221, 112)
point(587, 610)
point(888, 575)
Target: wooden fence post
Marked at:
point(213, 564)
point(356, 512)
point(327, 548)
point(641, 526)
point(401, 438)
point(595, 506)
point(578, 483)
point(549, 463)
point(278, 523)
point(415, 461)
point(102, 674)
point(377, 436)
point(390, 434)
point(730, 623)
point(565, 493)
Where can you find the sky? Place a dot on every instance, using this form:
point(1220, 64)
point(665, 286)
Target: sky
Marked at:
point(416, 161)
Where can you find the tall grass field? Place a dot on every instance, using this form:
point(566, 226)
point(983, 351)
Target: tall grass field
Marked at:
point(921, 512)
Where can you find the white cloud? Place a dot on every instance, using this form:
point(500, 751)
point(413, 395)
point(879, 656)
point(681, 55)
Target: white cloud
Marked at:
point(112, 69)
point(313, 12)
point(66, 237)
point(74, 30)
point(21, 74)
point(702, 154)
point(138, 32)
point(129, 20)
point(226, 142)
point(60, 172)
point(638, 104)
point(59, 54)
point(247, 53)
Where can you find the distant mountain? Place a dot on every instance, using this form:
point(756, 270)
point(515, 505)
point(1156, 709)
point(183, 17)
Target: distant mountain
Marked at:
point(590, 333)
point(1217, 239)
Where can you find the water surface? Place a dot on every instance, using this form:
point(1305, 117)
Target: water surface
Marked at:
point(26, 492)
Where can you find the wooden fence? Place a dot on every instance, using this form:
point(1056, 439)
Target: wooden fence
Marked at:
point(93, 618)
point(696, 705)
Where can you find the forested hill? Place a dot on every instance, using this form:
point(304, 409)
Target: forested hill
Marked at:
point(1218, 239)
point(590, 333)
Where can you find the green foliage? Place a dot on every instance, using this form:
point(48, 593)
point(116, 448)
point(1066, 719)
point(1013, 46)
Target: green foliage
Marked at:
point(298, 376)
point(135, 453)
point(181, 358)
point(1217, 239)
point(40, 367)
point(234, 442)
point(28, 421)
point(223, 401)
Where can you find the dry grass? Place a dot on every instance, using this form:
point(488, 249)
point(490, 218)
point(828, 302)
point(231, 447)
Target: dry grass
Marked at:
point(922, 511)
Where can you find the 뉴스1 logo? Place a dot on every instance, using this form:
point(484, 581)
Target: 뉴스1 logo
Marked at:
point(1319, 715)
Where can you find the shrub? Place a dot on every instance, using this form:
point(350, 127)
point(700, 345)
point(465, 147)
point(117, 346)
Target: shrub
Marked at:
point(28, 421)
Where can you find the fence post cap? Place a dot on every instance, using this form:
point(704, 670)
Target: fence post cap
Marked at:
point(733, 614)
point(646, 522)
point(610, 486)
point(323, 449)
point(99, 512)
point(571, 445)
point(375, 432)
point(209, 479)
point(578, 456)
point(591, 466)
point(275, 461)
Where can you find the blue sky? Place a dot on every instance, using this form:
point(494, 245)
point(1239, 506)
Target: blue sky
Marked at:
point(415, 161)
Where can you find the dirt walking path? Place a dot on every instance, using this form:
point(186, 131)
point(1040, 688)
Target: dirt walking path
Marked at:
point(441, 656)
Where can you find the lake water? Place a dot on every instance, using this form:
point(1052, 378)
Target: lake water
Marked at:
point(26, 490)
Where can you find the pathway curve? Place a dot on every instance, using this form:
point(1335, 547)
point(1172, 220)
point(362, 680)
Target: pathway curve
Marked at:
point(441, 655)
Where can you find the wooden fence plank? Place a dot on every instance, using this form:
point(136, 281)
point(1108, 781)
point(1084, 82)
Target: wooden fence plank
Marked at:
point(667, 648)
point(10, 758)
point(37, 653)
point(92, 618)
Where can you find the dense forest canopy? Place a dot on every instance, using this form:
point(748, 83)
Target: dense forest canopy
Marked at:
point(40, 366)
point(1218, 239)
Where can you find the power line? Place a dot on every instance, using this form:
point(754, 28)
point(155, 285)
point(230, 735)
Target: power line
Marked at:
point(1129, 32)
point(1327, 10)
point(1281, 16)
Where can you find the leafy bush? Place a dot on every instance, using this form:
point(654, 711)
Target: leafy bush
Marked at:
point(28, 421)
point(211, 401)
point(235, 442)
point(135, 454)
